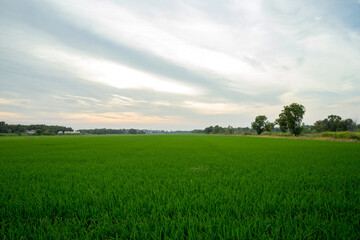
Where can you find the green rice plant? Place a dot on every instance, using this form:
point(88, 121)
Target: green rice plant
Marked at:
point(178, 187)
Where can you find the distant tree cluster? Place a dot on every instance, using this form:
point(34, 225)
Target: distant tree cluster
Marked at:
point(111, 131)
point(40, 129)
point(289, 120)
point(261, 124)
point(226, 130)
point(101, 131)
point(334, 123)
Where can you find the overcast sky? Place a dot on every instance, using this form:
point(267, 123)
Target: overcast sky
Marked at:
point(182, 64)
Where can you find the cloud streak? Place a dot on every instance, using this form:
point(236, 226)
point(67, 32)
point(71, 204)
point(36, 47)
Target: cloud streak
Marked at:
point(179, 63)
point(113, 74)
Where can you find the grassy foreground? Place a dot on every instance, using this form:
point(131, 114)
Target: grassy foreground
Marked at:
point(178, 186)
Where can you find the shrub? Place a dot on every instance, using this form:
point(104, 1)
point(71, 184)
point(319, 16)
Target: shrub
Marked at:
point(342, 135)
point(355, 135)
point(48, 132)
point(248, 133)
point(266, 133)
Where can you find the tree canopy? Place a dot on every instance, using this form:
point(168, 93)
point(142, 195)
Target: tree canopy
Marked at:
point(259, 124)
point(334, 123)
point(41, 128)
point(291, 117)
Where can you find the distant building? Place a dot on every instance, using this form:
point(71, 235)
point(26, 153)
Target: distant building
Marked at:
point(30, 131)
point(60, 133)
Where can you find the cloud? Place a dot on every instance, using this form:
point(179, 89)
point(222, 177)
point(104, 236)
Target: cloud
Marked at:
point(117, 118)
point(213, 108)
point(10, 115)
point(191, 40)
point(14, 102)
point(202, 62)
point(113, 74)
point(274, 40)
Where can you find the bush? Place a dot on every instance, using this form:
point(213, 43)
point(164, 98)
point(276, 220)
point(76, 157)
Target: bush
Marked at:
point(355, 135)
point(248, 133)
point(342, 135)
point(48, 132)
point(285, 134)
point(280, 134)
point(266, 133)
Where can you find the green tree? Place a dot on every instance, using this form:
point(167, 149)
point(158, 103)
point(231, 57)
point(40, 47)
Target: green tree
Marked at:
point(209, 130)
point(348, 125)
point(218, 130)
point(229, 130)
point(291, 118)
point(3, 127)
point(282, 122)
point(269, 126)
point(259, 124)
point(320, 125)
point(48, 132)
point(333, 123)
point(132, 131)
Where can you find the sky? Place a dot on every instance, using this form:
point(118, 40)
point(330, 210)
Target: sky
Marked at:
point(176, 65)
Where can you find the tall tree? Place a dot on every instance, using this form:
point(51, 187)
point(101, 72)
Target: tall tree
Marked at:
point(209, 130)
point(259, 124)
point(269, 126)
point(333, 122)
point(291, 118)
point(282, 122)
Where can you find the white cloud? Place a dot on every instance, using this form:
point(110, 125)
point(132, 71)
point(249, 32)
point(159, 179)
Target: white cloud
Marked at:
point(274, 35)
point(273, 52)
point(118, 118)
point(191, 40)
point(10, 115)
point(15, 101)
point(111, 73)
point(124, 101)
point(229, 108)
point(212, 108)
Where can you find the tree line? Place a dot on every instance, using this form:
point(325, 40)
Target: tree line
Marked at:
point(289, 120)
point(101, 131)
point(334, 123)
point(226, 130)
point(40, 129)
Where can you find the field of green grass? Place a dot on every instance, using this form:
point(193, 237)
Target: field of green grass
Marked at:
point(178, 186)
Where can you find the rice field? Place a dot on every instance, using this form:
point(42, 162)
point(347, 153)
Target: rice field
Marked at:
point(178, 187)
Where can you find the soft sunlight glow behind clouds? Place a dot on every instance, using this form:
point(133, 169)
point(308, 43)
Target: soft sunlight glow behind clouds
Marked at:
point(192, 63)
point(171, 41)
point(113, 74)
point(118, 118)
